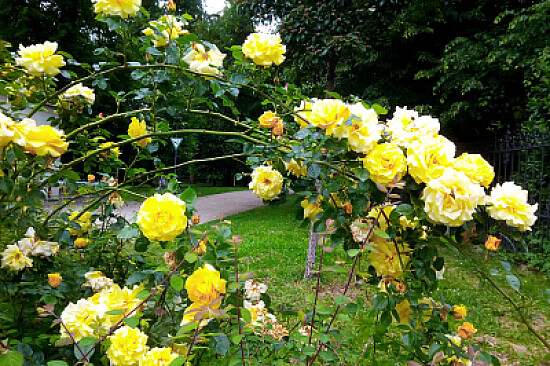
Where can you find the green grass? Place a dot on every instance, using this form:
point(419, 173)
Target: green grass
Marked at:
point(274, 248)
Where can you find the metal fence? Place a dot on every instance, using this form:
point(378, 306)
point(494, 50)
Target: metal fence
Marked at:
point(525, 159)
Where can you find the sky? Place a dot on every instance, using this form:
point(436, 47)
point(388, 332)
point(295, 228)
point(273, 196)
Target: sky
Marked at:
point(213, 6)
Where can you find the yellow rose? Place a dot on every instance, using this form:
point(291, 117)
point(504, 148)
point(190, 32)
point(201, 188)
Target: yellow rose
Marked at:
point(460, 312)
point(266, 183)
point(382, 216)
point(204, 62)
point(406, 126)
point(169, 26)
point(138, 128)
point(81, 319)
point(196, 313)
point(158, 357)
point(508, 202)
point(79, 90)
point(427, 158)
point(466, 331)
point(328, 114)
point(204, 286)
point(452, 198)
point(384, 163)
point(91, 178)
point(97, 281)
point(296, 169)
point(476, 168)
point(162, 217)
point(81, 242)
point(54, 279)
point(85, 221)
point(364, 132)
point(269, 120)
point(128, 346)
point(14, 259)
point(124, 299)
point(311, 209)
point(492, 243)
point(7, 130)
point(121, 8)
point(40, 59)
point(45, 140)
point(264, 49)
point(387, 260)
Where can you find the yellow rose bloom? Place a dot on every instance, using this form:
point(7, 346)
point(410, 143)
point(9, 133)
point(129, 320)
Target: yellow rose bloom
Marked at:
point(266, 183)
point(14, 259)
point(269, 120)
point(452, 198)
point(81, 242)
point(328, 114)
point(45, 140)
point(476, 168)
point(428, 157)
point(264, 49)
point(204, 286)
point(162, 217)
point(97, 281)
point(85, 221)
point(508, 202)
point(138, 128)
point(311, 209)
point(296, 169)
point(128, 346)
point(79, 90)
point(121, 8)
point(406, 126)
point(492, 243)
point(466, 331)
point(124, 299)
point(158, 357)
point(386, 257)
point(40, 59)
point(169, 26)
point(382, 221)
point(385, 162)
point(364, 132)
point(201, 61)
point(82, 319)
point(7, 130)
point(54, 279)
point(460, 312)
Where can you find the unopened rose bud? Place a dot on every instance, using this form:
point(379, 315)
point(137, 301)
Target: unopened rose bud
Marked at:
point(91, 178)
point(100, 115)
point(171, 5)
point(195, 219)
point(400, 286)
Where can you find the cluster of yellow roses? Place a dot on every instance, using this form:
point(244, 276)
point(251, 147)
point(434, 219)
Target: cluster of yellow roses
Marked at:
point(16, 257)
point(36, 140)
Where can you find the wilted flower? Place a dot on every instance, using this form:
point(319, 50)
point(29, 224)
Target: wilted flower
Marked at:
point(311, 209)
point(254, 289)
point(116, 200)
point(492, 243)
point(85, 221)
point(97, 280)
point(466, 331)
point(14, 259)
point(268, 120)
point(195, 219)
point(73, 93)
point(40, 59)
point(264, 49)
point(295, 168)
point(169, 26)
point(91, 178)
point(387, 259)
point(460, 312)
point(113, 151)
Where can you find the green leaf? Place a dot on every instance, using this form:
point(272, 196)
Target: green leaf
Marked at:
point(115, 312)
point(340, 300)
point(178, 361)
point(313, 171)
point(129, 232)
point(12, 358)
point(132, 322)
point(176, 282)
point(245, 314)
point(221, 344)
point(190, 198)
point(506, 266)
point(381, 234)
point(57, 363)
point(379, 109)
point(362, 173)
point(353, 252)
point(191, 257)
point(141, 244)
point(513, 281)
point(302, 134)
point(404, 209)
point(380, 302)
point(308, 351)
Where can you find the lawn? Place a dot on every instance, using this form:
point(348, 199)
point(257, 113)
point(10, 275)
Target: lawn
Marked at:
point(274, 248)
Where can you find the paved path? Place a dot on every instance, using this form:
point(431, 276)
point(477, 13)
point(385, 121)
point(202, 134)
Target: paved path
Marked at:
point(209, 208)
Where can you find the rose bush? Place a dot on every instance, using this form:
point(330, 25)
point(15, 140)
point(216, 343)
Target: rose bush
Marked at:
point(90, 286)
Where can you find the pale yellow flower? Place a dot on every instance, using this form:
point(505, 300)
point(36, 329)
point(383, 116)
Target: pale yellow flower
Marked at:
point(40, 59)
point(138, 128)
point(508, 202)
point(14, 259)
point(264, 49)
point(85, 222)
point(385, 162)
point(54, 279)
point(169, 26)
point(201, 61)
point(427, 158)
point(387, 260)
point(452, 198)
point(328, 114)
point(476, 168)
point(296, 169)
point(158, 357)
point(311, 209)
point(97, 281)
point(82, 319)
point(124, 299)
point(79, 90)
point(406, 126)
point(404, 311)
point(128, 346)
point(204, 286)
point(266, 182)
point(7, 130)
point(121, 8)
point(162, 217)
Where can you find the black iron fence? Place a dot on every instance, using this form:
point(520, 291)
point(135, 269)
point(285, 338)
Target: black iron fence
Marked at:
point(525, 159)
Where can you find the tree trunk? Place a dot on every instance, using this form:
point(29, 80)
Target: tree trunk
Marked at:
point(311, 253)
point(331, 73)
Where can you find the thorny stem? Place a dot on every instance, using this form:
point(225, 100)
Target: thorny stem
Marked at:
point(518, 310)
point(317, 290)
point(364, 350)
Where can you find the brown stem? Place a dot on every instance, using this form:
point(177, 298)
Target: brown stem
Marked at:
point(317, 290)
point(236, 242)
